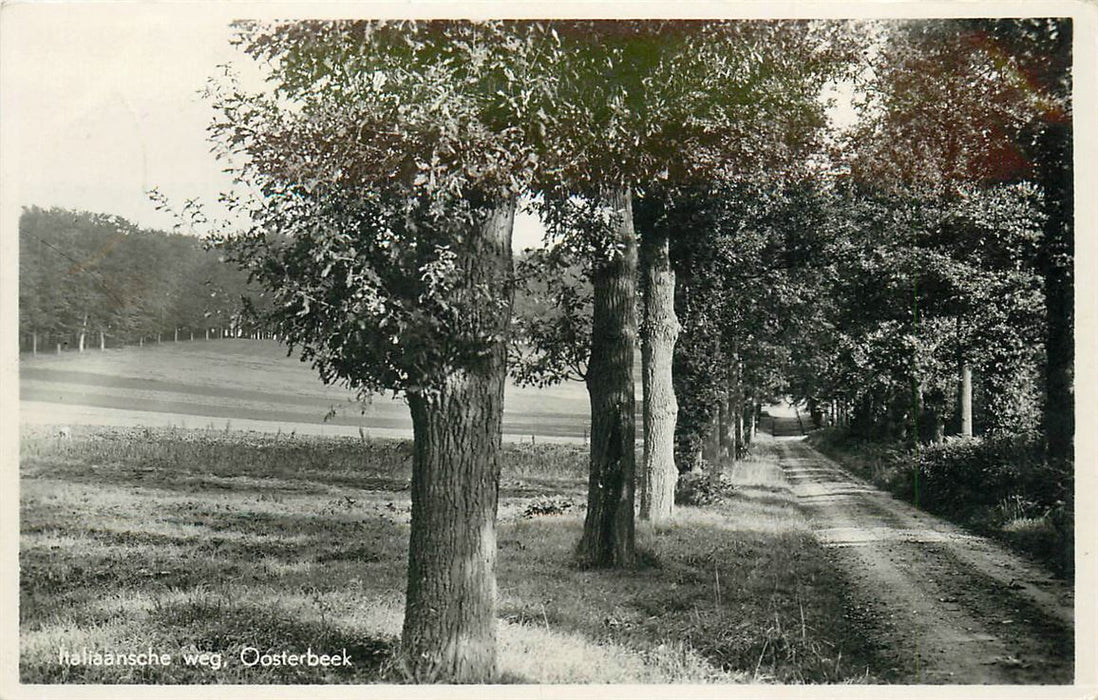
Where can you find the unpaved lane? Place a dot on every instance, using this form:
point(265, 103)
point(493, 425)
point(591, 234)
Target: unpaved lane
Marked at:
point(944, 606)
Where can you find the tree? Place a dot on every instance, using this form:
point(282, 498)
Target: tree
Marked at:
point(974, 103)
point(643, 103)
point(910, 290)
point(389, 158)
point(1038, 52)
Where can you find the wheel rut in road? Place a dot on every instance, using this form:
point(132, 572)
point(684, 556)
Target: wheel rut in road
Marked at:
point(942, 605)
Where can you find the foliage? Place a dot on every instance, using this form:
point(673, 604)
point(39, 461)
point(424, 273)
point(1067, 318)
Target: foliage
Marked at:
point(910, 288)
point(748, 296)
point(685, 105)
point(698, 488)
point(949, 107)
point(81, 271)
point(552, 320)
point(552, 505)
point(381, 146)
point(966, 126)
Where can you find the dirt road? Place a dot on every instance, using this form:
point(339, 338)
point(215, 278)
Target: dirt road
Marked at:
point(942, 605)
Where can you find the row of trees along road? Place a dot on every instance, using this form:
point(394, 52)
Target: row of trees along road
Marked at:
point(89, 279)
point(693, 157)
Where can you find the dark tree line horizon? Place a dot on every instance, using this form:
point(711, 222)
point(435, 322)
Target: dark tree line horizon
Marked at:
point(83, 274)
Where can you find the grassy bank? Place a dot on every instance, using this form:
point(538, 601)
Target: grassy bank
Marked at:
point(997, 487)
point(190, 541)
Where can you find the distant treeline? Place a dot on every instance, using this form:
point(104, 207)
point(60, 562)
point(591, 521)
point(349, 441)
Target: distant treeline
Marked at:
point(98, 280)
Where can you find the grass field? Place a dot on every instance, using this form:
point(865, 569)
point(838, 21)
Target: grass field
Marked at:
point(184, 541)
point(248, 384)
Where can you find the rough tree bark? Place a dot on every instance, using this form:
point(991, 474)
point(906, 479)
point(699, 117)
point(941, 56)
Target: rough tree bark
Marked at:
point(661, 409)
point(608, 530)
point(449, 632)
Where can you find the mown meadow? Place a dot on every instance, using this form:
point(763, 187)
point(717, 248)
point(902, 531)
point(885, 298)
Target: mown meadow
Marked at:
point(184, 541)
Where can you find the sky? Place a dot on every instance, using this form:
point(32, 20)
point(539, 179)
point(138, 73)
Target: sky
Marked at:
point(106, 104)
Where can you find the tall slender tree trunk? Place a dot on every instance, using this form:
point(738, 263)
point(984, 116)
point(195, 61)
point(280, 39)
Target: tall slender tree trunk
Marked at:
point(83, 334)
point(1057, 266)
point(102, 341)
point(608, 530)
point(711, 446)
point(724, 425)
point(738, 427)
point(735, 404)
point(449, 632)
point(749, 427)
point(660, 331)
point(966, 399)
point(938, 426)
point(34, 343)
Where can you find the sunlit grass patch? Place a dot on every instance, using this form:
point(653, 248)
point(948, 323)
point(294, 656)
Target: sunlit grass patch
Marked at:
point(755, 472)
point(529, 653)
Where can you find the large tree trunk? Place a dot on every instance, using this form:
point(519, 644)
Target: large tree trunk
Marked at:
point(449, 630)
point(1057, 263)
point(608, 530)
point(661, 409)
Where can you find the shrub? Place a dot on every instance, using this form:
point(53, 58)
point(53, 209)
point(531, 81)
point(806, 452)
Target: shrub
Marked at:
point(700, 489)
point(1008, 472)
point(996, 485)
point(555, 505)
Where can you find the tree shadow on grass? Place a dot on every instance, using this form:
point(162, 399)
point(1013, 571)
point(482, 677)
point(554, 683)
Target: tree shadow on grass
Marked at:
point(255, 644)
point(745, 600)
point(246, 633)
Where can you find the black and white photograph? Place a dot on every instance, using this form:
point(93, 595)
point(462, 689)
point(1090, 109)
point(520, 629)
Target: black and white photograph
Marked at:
point(512, 346)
